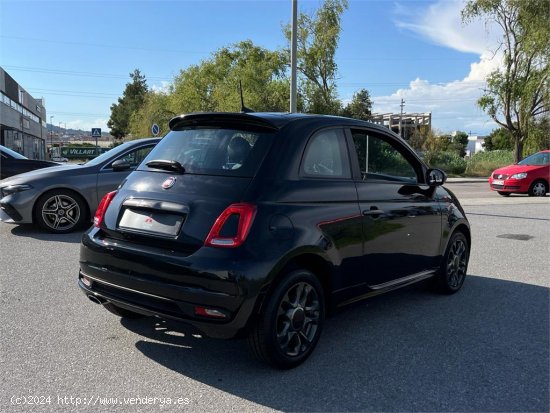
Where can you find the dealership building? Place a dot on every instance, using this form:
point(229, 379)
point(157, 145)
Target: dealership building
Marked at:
point(22, 119)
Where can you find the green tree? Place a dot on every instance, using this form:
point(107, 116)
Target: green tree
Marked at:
point(132, 99)
point(499, 139)
point(436, 142)
point(418, 137)
point(213, 86)
point(520, 90)
point(155, 109)
point(318, 37)
point(458, 143)
point(360, 106)
point(539, 135)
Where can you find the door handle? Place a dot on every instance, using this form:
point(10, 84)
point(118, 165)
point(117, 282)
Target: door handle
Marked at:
point(373, 211)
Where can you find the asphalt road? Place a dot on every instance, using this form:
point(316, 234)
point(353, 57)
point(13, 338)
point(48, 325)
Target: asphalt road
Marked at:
point(483, 349)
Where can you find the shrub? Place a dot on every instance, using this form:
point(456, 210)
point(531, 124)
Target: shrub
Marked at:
point(450, 162)
point(483, 163)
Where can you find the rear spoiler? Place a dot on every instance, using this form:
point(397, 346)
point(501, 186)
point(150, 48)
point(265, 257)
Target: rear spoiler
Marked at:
point(223, 120)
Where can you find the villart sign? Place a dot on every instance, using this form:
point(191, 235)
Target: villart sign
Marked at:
point(79, 152)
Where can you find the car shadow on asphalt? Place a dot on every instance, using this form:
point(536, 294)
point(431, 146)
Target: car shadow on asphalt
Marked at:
point(483, 349)
point(30, 231)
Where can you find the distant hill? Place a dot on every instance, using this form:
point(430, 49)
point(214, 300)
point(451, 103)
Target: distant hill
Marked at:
point(74, 132)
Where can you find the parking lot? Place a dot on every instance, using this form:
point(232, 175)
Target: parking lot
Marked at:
point(483, 349)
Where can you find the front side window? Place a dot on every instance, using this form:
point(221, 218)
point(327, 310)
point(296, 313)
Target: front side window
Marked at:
point(326, 156)
point(379, 159)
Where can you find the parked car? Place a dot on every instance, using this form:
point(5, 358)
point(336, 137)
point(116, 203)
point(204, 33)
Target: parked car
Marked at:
point(529, 176)
point(13, 163)
point(60, 159)
point(63, 198)
point(258, 224)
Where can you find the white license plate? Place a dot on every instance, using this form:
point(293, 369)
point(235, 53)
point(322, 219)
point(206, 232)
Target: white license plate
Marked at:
point(498, 182)
point(151, 222)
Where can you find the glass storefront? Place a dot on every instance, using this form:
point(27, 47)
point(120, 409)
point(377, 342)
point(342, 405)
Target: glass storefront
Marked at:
point(27, 145)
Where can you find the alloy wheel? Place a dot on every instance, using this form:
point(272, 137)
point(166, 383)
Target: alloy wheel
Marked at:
point(61, 212)
point(456, 264)
point(298, 319)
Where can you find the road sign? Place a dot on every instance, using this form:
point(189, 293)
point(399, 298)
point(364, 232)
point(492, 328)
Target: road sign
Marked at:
point(155, 130)
point(96, 132)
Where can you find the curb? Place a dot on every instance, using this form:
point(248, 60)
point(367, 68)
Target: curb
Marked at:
point(467, 180)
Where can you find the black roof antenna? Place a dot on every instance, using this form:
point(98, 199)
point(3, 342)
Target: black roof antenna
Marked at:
point(244, 109)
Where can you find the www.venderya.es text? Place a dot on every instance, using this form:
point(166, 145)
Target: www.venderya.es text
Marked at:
point(95, 400)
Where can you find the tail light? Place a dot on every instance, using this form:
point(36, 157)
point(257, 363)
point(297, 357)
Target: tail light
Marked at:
point(102, 207)
point(245, 214)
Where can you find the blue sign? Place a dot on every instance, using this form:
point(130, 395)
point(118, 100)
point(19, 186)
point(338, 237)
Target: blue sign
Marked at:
point(96, 132)
point(155, 130)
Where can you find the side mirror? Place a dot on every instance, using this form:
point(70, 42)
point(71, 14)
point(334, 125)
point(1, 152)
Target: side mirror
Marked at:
point(120, 165)
point(436, 177)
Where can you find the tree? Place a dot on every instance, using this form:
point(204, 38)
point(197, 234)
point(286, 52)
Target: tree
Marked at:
point(360, 106)
point(499, 139)
point(458, 143)
point(520, 90)
point(418, 137)
point(132, 99)
point(435, 142)
point(318, 37)
point(539, 135)
point(213, 86)
point(155, 109)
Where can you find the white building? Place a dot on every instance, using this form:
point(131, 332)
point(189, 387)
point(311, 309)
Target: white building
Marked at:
point(475, 145)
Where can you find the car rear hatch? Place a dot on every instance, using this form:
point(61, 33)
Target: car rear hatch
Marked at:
point(205, 164)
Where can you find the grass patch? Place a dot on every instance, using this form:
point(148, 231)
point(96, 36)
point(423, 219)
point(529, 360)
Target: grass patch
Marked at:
point(483, 163)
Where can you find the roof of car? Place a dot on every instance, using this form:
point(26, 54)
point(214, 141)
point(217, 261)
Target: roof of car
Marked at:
point(272, 120)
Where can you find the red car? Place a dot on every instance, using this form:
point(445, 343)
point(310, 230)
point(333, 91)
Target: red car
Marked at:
point(530, 176)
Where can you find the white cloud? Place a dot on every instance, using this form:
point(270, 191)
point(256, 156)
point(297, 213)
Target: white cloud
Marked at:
point(87, 125)
point(441, 23)
point(163, 88)
point(453, 105)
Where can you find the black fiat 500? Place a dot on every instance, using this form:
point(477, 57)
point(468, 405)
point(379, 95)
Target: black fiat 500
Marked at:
point(258, 224)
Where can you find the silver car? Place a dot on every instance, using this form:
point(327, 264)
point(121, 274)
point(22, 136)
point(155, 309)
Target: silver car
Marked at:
point(63, 198)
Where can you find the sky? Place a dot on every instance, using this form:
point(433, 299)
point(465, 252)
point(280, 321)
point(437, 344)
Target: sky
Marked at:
point(78, 54)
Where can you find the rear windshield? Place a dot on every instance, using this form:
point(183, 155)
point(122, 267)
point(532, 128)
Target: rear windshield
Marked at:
point(213, 151)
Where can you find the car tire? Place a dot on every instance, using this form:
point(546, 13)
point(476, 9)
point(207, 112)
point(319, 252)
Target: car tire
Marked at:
point(452, 271)
point(291, 321)
point(122, 312)
point(538, 188)
point(60, 211)
point(503, 193)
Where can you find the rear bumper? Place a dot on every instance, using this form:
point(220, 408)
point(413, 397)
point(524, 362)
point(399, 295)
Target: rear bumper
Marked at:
point(162, 283)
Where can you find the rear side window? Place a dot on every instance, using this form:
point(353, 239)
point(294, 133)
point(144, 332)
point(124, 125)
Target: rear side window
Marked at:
point(134, 158)
point(213, 151)
point(326, 156)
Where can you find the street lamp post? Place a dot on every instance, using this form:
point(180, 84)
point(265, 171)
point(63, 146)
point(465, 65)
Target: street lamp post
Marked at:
point(293, 58)
point(51, 136)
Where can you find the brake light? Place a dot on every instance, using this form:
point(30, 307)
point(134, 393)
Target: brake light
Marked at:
point(102, 207)
point(245, 213)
